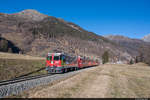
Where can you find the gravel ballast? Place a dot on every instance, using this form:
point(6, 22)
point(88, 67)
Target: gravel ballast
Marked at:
point(16, 88)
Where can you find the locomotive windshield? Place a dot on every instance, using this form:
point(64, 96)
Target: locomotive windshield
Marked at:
point(49, 57)
point(56, 58)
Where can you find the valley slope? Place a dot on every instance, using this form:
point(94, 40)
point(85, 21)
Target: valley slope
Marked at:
point(37, 34)
point(135, 47)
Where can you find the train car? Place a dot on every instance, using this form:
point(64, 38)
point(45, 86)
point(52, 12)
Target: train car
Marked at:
point(61, 62)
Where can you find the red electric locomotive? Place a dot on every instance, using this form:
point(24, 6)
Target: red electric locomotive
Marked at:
point(61, 62)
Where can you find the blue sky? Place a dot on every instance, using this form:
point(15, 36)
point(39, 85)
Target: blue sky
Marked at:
point(122, 17)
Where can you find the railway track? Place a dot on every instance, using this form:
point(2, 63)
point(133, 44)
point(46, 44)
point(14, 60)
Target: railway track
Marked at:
point(17, 85)
point(20, 79)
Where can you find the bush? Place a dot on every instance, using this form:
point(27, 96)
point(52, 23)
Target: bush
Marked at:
point(105, 57)
point(131, 61)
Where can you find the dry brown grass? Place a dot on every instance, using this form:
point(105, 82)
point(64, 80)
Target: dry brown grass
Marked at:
point(19, 56)
point(105, 81)
point(131, 81)
point(68, 87)
point(15, 65)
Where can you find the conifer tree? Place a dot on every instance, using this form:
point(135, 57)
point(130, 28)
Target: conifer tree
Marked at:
point(105, 57)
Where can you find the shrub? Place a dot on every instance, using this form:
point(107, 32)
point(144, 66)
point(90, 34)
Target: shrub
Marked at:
point(131, 61)
point(105, 57)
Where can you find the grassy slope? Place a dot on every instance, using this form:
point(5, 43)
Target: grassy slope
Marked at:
point(115, 81)
point(14, 65)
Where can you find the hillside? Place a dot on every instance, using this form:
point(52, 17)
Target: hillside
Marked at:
point(146, 38)
point(36, 34)
point(135, 47)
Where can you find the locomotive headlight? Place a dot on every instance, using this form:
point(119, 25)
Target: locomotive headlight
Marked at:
point(51, 62)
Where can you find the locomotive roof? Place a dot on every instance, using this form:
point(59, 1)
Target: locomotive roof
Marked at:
point(55, 54)
point(58, 54)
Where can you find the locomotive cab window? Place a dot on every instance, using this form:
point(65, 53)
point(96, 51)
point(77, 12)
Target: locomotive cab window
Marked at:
point(49, 57)
point(56, 58)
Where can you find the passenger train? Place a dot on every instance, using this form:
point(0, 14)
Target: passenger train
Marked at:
point(61, 62)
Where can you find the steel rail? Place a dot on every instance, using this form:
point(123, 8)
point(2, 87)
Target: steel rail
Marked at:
point(20, 79)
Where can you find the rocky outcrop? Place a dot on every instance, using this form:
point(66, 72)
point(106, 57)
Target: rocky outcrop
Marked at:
point(31, 15)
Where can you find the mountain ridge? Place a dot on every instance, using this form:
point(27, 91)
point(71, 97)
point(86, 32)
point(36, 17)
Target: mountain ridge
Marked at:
point(30, 14)
point(37, 37)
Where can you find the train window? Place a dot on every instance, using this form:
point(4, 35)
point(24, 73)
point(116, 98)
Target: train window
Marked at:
point(56, 57)
point(49, 57)
point(62, 57)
